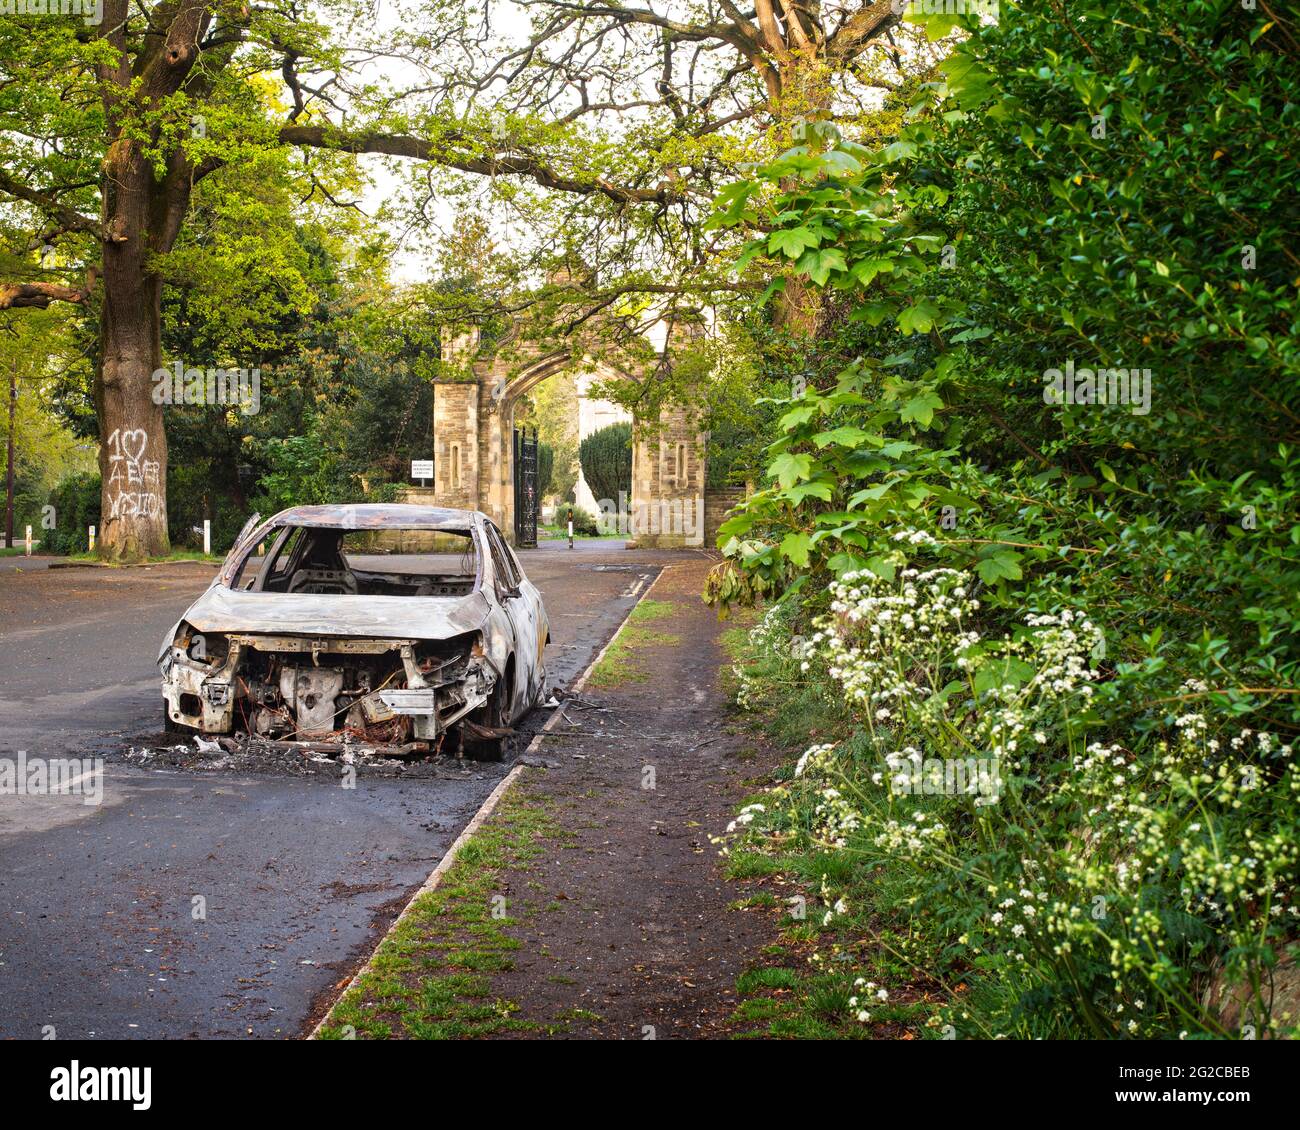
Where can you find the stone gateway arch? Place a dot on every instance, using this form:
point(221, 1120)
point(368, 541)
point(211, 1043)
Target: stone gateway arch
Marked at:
point(473, 424)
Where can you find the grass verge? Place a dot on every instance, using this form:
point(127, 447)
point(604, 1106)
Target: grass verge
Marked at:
point(431, 978)
point(621, 661)
point(87, 558)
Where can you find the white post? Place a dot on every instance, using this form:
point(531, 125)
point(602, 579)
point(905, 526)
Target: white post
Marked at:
point(92, 539)
point(29, 541)
point(570, 532)
point(207, 537)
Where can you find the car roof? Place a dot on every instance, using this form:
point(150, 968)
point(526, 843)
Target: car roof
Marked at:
point(379, 516)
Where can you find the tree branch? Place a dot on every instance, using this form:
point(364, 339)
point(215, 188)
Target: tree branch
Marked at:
point(14, 296)
point(323, 137)
point(864, 25)
point(69, 218)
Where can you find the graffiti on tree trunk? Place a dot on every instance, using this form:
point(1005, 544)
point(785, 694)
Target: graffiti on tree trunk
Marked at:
point(133, 480)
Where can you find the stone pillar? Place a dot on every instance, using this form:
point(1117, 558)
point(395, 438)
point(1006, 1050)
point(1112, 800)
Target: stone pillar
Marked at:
point(455, 444)
point(668, 471)
point(496, 452)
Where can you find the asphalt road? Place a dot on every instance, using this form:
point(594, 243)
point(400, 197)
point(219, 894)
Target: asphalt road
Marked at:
point(21, 563)
point(189, 903)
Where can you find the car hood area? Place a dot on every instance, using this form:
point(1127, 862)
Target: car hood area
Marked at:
point(385, 617)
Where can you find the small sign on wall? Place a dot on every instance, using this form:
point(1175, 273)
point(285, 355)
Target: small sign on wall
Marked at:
point(422, 469)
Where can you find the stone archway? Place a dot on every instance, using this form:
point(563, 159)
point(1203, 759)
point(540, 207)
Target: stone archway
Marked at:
point(473, 418)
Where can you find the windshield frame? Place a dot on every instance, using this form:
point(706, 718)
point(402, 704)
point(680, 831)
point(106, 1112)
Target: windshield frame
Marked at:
point(240, 554)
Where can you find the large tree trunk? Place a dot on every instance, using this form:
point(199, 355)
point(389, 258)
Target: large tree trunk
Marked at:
point(133, 444)
point(805, 96)
point(799, 307)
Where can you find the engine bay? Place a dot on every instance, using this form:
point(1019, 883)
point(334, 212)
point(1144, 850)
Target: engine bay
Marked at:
point(402, 694)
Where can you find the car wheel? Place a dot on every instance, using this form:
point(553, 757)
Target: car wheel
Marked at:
point(488, 737)
point(170, 727)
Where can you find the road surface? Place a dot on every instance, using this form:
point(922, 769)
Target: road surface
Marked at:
point(189, 904)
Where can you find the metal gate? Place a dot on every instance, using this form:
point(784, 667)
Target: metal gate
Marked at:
point(525, 488)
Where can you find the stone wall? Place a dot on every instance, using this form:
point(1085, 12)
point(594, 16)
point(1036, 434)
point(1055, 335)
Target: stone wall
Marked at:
point(718, 503)
point(668, 482)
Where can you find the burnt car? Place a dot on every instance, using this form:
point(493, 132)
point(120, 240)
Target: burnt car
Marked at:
point(410, 628)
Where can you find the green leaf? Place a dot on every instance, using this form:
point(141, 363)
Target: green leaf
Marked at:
point(747, 256)
point(800, 492)
point(936, 25)
point(795, 547)
point(900, 151)
point(873, 313)
point(729, 204)
point(919, 317)
point(846, 436)
point(776, 284)
point(1002, 671)
point(871, 494)
point(787, 469)
point(883, 567)
point(841, 563)
point(819, 264)
point(920, 409)
point(840, 163)
point(1002, 563)
point(975, 333)
point(792, 242)
point(799, 414)
point(969, 81)
point(739, 523)
point(865, 270)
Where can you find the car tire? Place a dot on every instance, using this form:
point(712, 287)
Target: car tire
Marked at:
point(493, 716)
point(170, 727)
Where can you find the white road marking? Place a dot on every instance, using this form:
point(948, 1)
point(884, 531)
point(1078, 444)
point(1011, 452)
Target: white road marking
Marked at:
point(636, 586)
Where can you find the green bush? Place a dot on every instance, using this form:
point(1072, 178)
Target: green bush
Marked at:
point(545, 468)
point(303, 472)
point(1126, 638)
point(76, 509)
point(584, 522)
point(606, 458)
point(1084, 889)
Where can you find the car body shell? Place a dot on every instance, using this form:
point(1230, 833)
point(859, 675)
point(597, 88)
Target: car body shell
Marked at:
point(506, 620)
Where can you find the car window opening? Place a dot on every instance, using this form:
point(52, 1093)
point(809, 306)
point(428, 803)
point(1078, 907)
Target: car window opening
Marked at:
point(334, 562)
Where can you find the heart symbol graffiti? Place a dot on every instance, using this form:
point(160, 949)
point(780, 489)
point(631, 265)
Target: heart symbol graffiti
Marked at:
point(132, 443)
